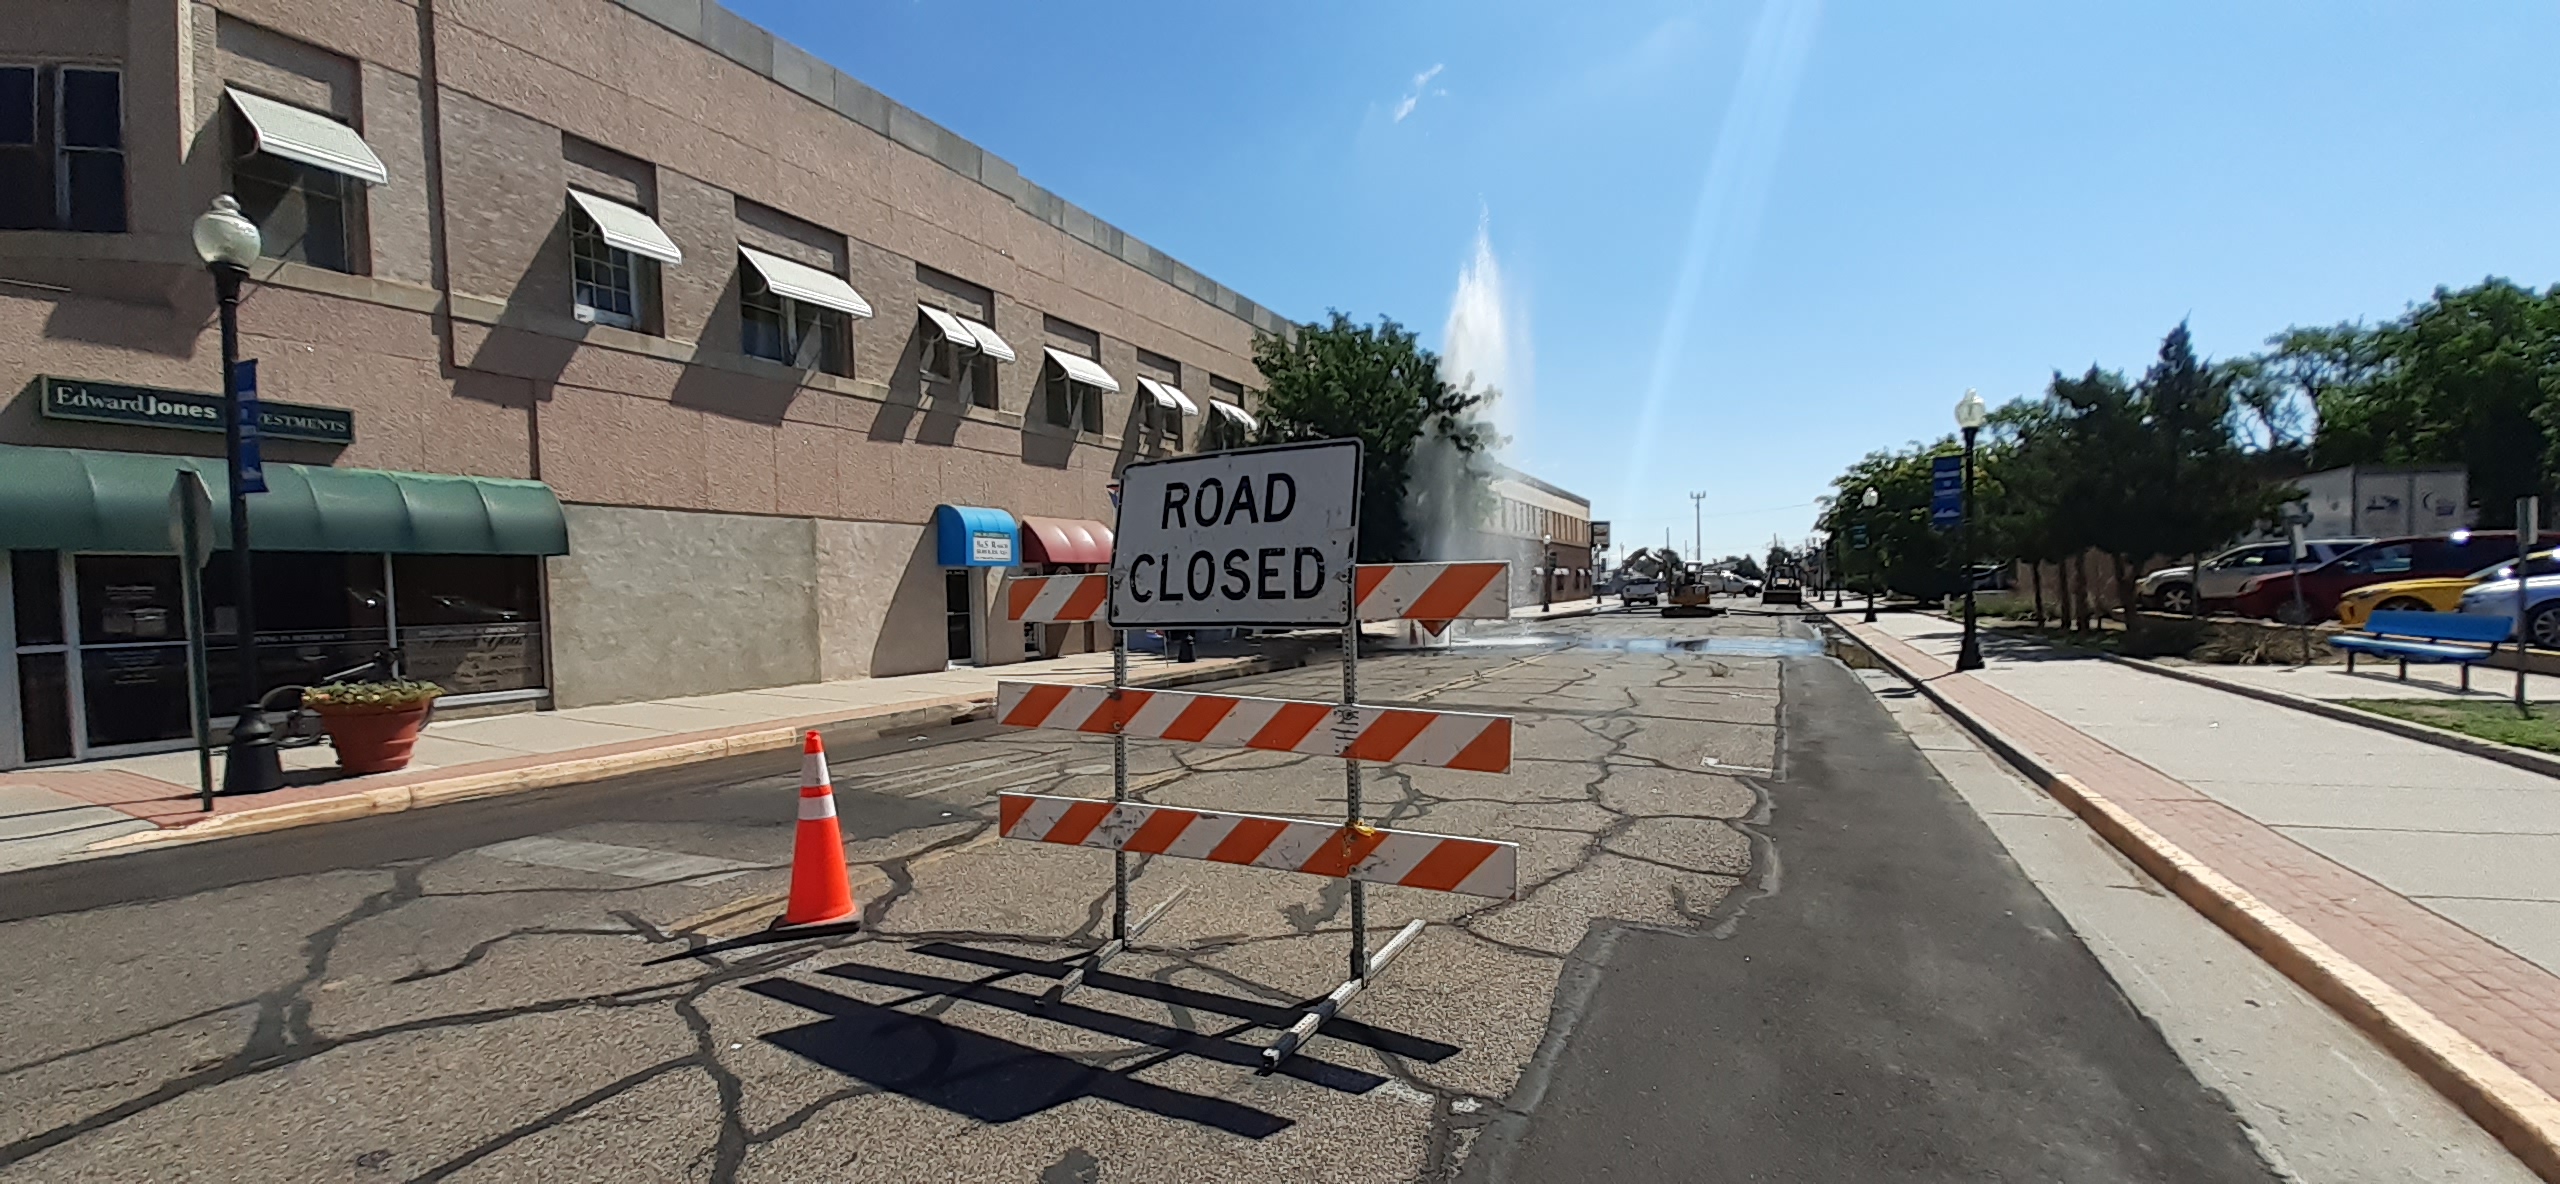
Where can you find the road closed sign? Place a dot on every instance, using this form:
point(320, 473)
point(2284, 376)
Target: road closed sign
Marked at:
point(1264, 537)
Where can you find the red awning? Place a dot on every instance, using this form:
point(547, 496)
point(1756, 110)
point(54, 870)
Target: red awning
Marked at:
point(1066, 540)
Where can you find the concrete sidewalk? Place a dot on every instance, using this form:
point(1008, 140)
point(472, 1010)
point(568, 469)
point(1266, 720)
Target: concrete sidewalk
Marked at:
point(2435, 871)
point(63, 812)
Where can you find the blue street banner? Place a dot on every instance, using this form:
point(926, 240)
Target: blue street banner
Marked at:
point(1946, 492)
point(1858, 537)
point(253, 476)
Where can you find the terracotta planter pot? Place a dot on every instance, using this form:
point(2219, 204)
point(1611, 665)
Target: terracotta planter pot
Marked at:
point(374, 741)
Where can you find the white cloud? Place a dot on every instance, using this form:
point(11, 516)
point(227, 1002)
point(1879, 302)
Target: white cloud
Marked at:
point(1421, 86)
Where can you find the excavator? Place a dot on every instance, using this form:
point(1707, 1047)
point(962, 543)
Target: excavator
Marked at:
point(1685, 587)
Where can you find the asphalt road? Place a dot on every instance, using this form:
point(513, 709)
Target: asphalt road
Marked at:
point(1757, 939)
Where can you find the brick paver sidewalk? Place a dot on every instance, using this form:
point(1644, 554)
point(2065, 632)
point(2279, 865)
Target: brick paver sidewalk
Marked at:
point(2504, 1003)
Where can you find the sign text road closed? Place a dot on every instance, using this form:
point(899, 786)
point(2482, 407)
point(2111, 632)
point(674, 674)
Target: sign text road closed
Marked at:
point(1263, 537)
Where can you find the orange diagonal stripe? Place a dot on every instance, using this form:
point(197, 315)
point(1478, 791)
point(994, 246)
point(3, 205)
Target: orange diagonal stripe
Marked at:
point(1088, 596)
point(1076, 825)
point(1369, 576)
point(1018, 597)
point(1159, 831)
point(1113, 715)
point(1245, 843)
point(1456, 588)
point(1343, 851)
point(1035, 706)
point(1010, 807)
point(1490, 751)
point(1289, 725)
point(1198, 720)
point(1386, 737)
point(1448, 865)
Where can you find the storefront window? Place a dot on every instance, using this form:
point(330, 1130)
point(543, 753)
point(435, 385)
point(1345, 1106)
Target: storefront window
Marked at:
point(319, 612)
point(36, 589)
point(471, 623)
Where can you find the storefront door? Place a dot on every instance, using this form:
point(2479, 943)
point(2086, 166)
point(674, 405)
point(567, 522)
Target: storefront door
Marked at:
point(957, 618)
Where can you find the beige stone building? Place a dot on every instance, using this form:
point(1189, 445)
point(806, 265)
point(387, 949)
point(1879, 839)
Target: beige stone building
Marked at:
point(609, 349)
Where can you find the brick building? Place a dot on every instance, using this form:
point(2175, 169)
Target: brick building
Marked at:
point(611, 349)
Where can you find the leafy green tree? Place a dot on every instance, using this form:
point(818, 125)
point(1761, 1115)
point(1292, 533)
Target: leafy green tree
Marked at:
point(1374, 382)
point(2471, 377)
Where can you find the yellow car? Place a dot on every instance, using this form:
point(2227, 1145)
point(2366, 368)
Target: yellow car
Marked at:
point(2439, 594)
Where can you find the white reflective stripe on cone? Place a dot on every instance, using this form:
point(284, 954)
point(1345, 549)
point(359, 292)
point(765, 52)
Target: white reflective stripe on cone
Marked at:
point(813, 769)
point(821, 806)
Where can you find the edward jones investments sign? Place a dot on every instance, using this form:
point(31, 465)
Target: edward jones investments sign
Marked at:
point(1262, 537)
point(151, 407)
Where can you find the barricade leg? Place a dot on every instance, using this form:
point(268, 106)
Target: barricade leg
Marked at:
point(1110, 949)
point(1331, 1005)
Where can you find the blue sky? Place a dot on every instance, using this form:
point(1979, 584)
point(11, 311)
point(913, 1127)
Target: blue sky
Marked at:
point(1740, 247)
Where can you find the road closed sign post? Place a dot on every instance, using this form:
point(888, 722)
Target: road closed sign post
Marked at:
point(1261, 538)
point(1264, 538)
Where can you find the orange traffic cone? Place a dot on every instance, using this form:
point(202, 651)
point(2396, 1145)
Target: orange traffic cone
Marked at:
point(820, 893)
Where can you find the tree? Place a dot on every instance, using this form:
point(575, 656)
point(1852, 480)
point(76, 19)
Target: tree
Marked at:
point(2471, 377)
point(1374, 382)
point(1746, 567)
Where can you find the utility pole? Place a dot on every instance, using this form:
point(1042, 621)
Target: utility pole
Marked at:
point(1697, 526)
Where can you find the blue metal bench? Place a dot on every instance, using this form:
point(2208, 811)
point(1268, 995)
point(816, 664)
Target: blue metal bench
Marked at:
point(2427, 637)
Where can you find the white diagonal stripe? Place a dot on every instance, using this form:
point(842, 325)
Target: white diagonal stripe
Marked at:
point(1395, 858)
point(1036, 822)
point(1201, 837)
point(1443, 740)
point(1296, 845)
point(1158, 714)
point(1498, 876)
point(1250, 716)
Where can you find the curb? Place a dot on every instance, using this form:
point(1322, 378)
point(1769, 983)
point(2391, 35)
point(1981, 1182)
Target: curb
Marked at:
point(574, 770)
point(2514, 1110)
point(2505, 754)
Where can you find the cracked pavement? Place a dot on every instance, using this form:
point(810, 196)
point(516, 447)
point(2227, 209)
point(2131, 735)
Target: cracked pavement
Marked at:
point(433, 997)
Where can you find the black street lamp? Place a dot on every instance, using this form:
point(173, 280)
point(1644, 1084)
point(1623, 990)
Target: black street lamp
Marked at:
point(1970, 416)
point(228, 243)
point(1869, 502)
point(1547, 587)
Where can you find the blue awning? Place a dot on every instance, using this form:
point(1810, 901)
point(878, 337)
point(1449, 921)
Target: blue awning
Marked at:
point(975, 536)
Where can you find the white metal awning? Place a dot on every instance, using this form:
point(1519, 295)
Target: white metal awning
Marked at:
point(1083, 370)
point(966, 333)
point(1235, 415)
point(1168, 396)
point(988, 343)
point(308, 137)
point(629, 229)
point(799, 281)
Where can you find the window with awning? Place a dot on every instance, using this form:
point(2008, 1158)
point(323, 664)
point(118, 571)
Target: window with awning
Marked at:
point(1074, 386)
point(795, 314)
point(301, 176)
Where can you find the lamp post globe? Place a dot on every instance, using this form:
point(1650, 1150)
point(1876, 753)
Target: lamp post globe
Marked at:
point(1970, 416)
point(228, 243)
point(224, 238)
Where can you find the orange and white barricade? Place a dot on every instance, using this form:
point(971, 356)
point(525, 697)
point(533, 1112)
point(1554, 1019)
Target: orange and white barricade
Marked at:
point(1388, 735)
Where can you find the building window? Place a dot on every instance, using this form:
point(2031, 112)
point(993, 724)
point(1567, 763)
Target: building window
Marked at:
point(608, 279)
point(960, 367)
point(792, 332)
point(62, 149)
point(304, 214)
point(1071, 404)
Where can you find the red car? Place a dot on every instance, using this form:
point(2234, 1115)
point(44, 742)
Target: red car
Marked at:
point(2408, 557)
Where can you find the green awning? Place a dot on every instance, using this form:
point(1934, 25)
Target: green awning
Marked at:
point(71, 499)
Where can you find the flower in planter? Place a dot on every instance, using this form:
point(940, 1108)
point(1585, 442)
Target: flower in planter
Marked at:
point(370, 698)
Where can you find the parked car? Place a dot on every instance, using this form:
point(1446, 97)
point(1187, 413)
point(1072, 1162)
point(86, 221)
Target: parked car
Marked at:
point(2433, 595)
point(2175, 589)
point(1638, 590)
point(2405, 558)
point(2497, 598)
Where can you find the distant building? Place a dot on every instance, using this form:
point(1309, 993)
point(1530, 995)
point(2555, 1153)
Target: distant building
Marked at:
point(1537, 526)
point(2377, 501)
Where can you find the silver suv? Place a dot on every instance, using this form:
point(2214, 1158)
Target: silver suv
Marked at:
point(2217, 580)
